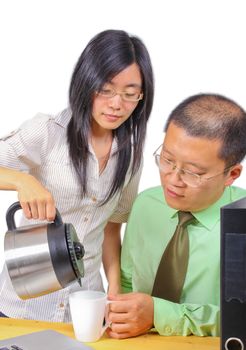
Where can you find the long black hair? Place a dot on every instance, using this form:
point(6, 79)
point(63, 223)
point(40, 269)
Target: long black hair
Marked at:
point(105, 56)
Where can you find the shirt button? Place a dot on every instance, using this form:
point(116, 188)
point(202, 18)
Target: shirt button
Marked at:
point(168, 330)
point(86, 219)
point(61, 305)
point(93, 199)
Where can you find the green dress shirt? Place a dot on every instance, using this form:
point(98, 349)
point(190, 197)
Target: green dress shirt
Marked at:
point(150, 227)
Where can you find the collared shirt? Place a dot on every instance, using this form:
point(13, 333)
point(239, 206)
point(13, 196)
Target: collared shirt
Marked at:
point(39, 147)
point(150, 227)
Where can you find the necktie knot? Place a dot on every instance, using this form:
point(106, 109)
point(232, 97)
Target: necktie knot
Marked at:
point(185, 218)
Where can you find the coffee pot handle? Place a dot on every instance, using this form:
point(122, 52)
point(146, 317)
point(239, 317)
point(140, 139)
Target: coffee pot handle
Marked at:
point(16, 206)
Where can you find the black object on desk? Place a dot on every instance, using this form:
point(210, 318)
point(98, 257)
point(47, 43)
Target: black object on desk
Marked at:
point(233, 276)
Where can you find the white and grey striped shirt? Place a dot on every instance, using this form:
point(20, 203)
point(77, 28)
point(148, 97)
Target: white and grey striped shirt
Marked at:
point(39, 146)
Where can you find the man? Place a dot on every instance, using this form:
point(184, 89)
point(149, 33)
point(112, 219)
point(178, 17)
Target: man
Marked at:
point(199, 160)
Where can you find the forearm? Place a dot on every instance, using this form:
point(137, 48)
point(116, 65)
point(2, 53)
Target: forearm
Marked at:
point(10, 179)
point(185, 319)
point(36, 201)
point(111, 256)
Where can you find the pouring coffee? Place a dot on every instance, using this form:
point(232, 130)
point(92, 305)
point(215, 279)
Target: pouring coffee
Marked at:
point(42, 258)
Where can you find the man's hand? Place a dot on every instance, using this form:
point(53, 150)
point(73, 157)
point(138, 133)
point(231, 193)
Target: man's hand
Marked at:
point(132, 314)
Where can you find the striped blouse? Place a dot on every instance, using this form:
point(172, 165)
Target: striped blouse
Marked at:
point(39, 147)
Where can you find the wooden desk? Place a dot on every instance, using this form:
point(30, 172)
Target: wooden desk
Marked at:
point(12, 327)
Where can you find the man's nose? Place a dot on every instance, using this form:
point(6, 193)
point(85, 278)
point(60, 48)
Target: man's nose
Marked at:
point(175, 177)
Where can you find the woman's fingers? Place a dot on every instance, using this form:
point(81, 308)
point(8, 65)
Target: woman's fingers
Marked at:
point(26, 210)
point(39, 209)
point(34, 209)
point(50, 210)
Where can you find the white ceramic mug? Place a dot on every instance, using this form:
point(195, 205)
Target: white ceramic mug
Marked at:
point(88, 311)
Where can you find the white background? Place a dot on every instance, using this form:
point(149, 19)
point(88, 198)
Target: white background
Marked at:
point(195, 46)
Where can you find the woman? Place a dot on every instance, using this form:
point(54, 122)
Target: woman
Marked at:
point(85, 161)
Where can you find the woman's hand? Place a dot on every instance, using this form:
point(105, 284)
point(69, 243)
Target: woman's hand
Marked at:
point(36, 201)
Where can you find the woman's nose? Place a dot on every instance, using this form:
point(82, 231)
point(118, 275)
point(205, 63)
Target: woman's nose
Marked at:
point(115, 101)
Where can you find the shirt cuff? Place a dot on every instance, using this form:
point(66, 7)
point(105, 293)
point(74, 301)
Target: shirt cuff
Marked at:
point(168, 317)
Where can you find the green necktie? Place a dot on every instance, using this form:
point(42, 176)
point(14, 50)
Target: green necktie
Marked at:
point(172, 269)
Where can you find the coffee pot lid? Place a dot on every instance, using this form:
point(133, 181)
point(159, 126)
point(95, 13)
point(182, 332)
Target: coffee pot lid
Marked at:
point(66, 253)
point(76, 251)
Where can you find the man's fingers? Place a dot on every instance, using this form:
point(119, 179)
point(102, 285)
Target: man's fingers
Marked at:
point(119, 306)
point(120, 327)
point(122, 302)
point(121, 297)
point(118, 317)
point(118, 335)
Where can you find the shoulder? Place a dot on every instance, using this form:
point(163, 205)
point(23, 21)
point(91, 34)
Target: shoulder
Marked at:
point(38, 130)
point(42, 120)
point(38, 125)
point(237, 192)
point(151, 192)
point(150, 195)
point(46, 126)
point(33, 125)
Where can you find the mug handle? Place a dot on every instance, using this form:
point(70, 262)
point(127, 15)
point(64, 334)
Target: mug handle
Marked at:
point(107, 324)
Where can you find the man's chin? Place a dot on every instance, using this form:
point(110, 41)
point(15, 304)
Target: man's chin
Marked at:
point(177, 203)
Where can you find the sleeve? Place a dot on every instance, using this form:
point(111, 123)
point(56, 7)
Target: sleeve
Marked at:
point(127, 198)
point(126, 270)
point(186, 319)
point(126, 283)
point(126, 266)
point(169, 318)
point(24, 148)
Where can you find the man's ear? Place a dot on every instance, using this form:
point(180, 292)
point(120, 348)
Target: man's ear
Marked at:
point(233, 174)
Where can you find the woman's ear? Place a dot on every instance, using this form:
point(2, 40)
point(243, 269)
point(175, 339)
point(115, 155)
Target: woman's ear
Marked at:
point(233, 174)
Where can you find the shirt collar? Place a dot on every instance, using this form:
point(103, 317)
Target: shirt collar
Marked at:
point(211, 215)
point(113, 149)
point(63, 117)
